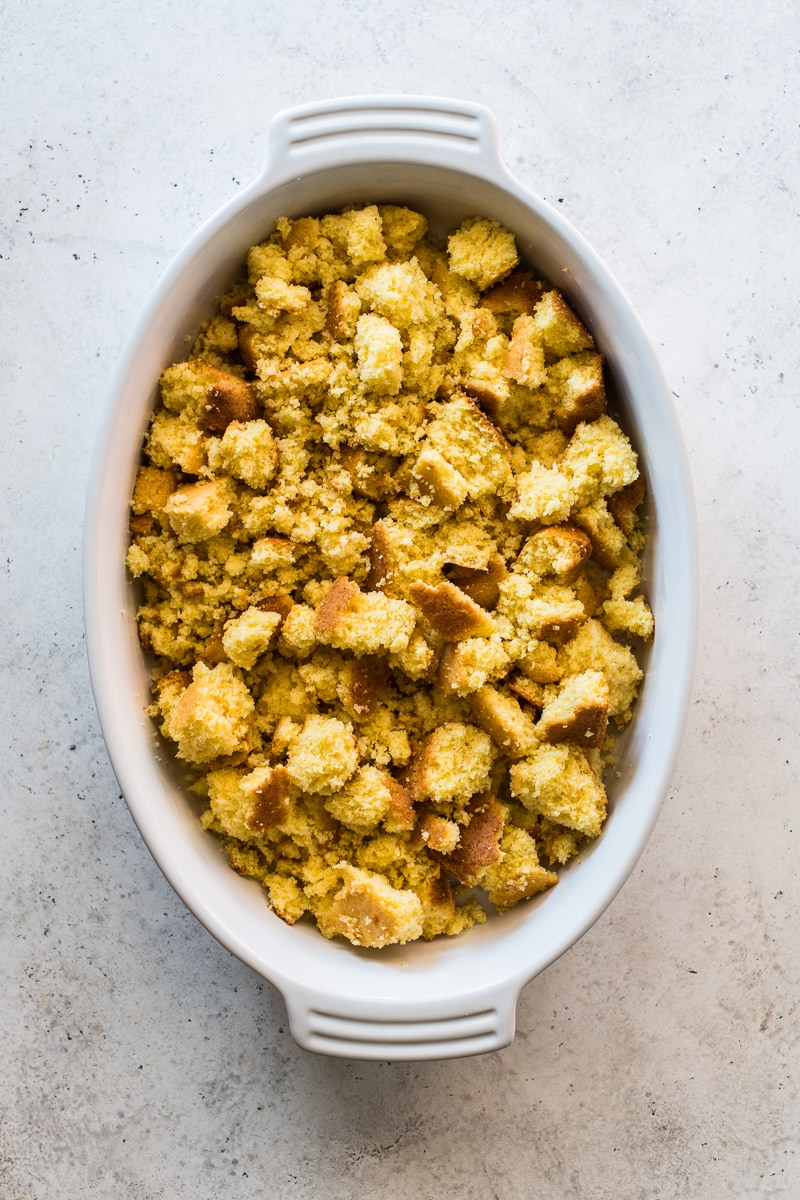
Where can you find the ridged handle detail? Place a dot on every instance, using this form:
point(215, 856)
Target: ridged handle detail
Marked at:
point(371, 128)
point(378, 1033)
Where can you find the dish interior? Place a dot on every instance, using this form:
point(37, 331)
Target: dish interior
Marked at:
point(522, 941)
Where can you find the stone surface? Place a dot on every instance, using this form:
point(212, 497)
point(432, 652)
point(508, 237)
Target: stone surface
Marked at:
point(659, 1057)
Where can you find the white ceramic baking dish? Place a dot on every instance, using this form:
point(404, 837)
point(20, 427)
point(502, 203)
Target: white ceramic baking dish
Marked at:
point(449, 997)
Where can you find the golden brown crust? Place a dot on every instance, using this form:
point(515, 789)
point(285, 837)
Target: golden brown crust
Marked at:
point(213, 651)
point(270, 801)
point(481, 586)
point(486, 424)
point(381, 561)
point(624, 503)
point(437, 479)
point(501, 716)
point(450, 612)
point(527, 690)
point(585, 724)
point(519, 292)
point(401, 804)
point(433, 831)
point(363, 680)
point(249, 339)
point(339, 598)
point(228, 398)
point(479, 844)
point(282, 605)
point(336, 321)
point(525, 359)
point(303, 233)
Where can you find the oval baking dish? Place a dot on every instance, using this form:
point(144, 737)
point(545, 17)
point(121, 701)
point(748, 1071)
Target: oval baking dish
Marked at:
point(448, 997)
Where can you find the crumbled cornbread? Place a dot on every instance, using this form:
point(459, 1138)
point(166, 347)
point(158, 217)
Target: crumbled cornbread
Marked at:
point(389, 546)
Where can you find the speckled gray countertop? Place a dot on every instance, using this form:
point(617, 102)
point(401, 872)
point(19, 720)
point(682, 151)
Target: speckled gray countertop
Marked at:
point(660, 1056)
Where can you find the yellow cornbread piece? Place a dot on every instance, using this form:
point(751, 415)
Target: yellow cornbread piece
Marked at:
point(388, 543)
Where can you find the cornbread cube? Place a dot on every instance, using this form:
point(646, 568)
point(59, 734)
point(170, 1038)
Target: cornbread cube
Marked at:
point(466, 666)
point(450, 612)
point(368, 911)
point(152, 490)
point(248, 805)
point(557, 782)
point(578, 713)
point(269, 789)
point(481, 584)
point(501, 716)
point(362, 232)
point(297, 638)
point(459, 295)
point(633, 617)
point(247, 451)
point(598, 461)
point(268, 259)
point(364, 800)
point(211, 718)
point(417, 660)
point(439, 480)
point(379, 349)
point(322, 755)
point(518, 293)
point(540, 663)
point(230, 806)
point(276, 296)
point(528, 690)
point(556, 550)
point(473, 444)
point(199, 511)
point(561, 331)
point(363, 622)
point(576, 385)
point(402, 815)
point(518, 875)
point(360, 685)
point(437, 833)
point(247, 637)
point(624, 503)
point(482, 250)
point(548, 612)
point(545, 494)
point(525, 360)
point(209, 395)
point(401, 292)
point(402, 228)
point(609, 546)
point(270, 553)
point(439, 913)
point(593, 648)
point(478, 847)
point(453, 763)
point(175, 440)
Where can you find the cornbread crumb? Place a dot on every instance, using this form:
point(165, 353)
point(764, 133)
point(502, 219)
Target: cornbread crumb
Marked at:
point(482, 250)
point(368, 911)
point(211, 717)
point(389, 552)
point(247, 637)
point(322, 755)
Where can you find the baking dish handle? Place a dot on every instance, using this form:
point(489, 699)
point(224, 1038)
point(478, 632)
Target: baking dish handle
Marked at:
point(393, 1031)
point(420, 129)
